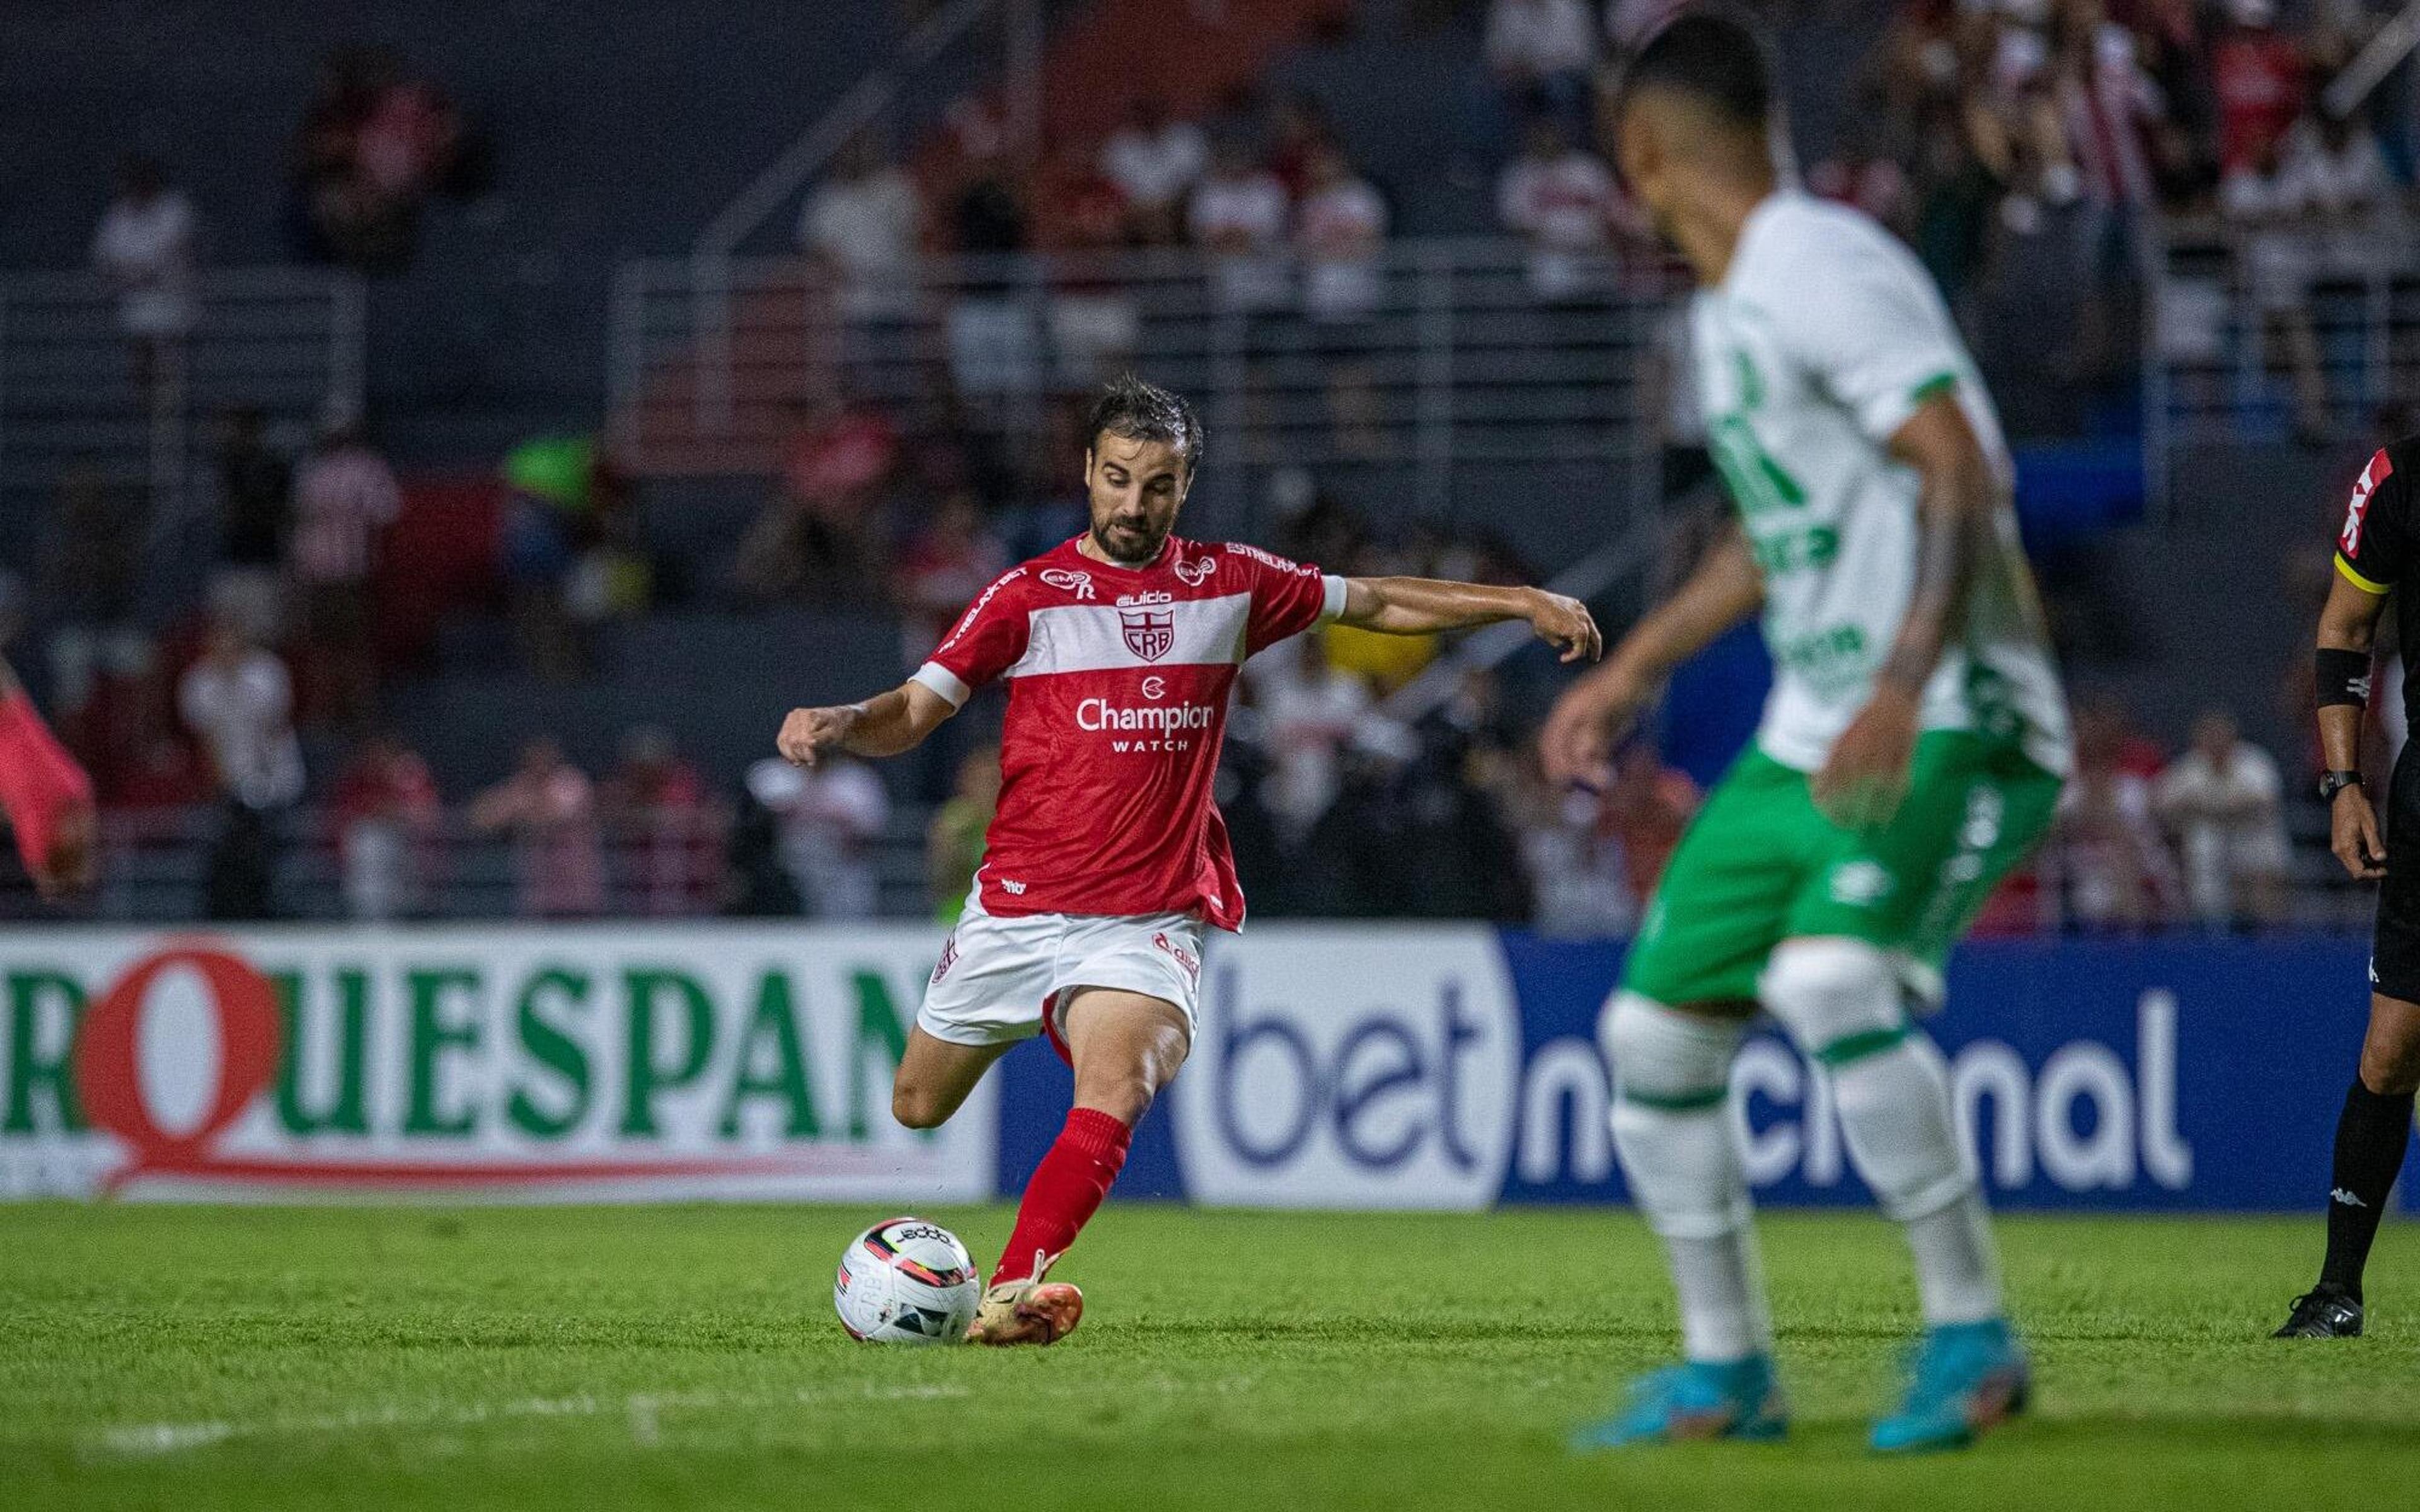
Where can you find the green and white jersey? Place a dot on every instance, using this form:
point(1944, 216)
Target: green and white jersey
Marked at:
point(1821, 340)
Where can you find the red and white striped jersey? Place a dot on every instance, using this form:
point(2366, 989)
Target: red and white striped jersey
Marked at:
point(1117, 704)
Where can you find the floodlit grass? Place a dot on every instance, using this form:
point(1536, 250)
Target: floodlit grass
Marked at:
point(591, 1358)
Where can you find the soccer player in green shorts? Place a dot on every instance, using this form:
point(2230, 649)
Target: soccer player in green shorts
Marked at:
point(1910, 753)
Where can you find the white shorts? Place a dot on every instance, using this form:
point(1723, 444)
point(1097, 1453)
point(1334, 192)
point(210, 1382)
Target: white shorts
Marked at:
point(1001, 979)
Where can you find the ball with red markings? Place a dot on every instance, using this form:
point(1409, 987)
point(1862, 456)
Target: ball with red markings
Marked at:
point(906, 1281)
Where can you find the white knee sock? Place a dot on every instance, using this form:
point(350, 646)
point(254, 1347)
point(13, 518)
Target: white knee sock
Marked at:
point(1840, 999)
point(1671, 1130)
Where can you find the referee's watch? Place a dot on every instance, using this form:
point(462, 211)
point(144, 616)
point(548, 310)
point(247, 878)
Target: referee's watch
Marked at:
point(2331, 783)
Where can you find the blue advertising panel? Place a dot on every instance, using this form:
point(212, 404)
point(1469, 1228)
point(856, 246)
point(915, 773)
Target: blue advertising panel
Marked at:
point(1455, 1066)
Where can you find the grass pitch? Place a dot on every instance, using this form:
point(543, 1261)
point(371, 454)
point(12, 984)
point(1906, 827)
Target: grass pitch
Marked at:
point(593, 1358)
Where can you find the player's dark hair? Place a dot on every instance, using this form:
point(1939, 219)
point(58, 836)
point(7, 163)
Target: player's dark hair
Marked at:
point(1713, 56)
point(1138, 411)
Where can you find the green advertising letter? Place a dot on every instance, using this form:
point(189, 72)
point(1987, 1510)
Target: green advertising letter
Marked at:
point(431, 1037)
point(552, 1047)
point(775, 1024)
point(345, 1111)
point(877, 1018)
point(29, 1070)
point(645, 1078)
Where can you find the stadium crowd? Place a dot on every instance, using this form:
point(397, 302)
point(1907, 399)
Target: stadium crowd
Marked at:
point(2020, 147)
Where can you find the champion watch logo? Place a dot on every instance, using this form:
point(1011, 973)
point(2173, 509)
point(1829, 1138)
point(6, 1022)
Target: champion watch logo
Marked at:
point(2380, 470)
point(1077, 583)
point(1149, 635)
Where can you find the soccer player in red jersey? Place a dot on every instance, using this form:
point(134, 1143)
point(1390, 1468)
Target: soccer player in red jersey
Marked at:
point(1107, 859)
point(45, 794)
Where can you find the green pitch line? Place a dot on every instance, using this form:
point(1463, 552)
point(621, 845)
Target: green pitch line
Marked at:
point(596, 1358)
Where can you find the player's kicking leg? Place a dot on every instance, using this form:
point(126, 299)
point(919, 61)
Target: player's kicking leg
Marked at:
point(2373, 1133)
point(1125, 1046)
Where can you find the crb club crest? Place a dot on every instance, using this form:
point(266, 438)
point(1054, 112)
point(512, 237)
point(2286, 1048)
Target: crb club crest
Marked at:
point(1077, 583)
point(1195, 572)
point(1148, 635)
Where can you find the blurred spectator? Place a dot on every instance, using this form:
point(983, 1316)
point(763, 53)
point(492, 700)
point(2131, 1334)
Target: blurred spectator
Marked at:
point(1577, 877)
point(613, 575)
point(1155, 163)
point(554, 486)
point(664, 827)
point(1309, 710)
point(1540, 57)
point(2104, 864)
point(831, 819)
point(549, 809)
point(865, 225)
point(1093, 320)
point(818, 539)
point(144, 247)
point(2111, 108)
point(372, 145)
point(1861, 175)
point(2336, 172)
point(387, 815)
point(2259, 78)
point(1340, 231)
point(163, 778)
point(345, 496)
point(954, 841)
point(1340, 234)
point(1562, 201)
point(2222, 798)
point(256, 520)
point(756, 884)
point(238, 703)
point(88, 588)
point(1296, 129)
point(1645, 811)
point(992, 340)
point(944, 566)
point(1238, 217)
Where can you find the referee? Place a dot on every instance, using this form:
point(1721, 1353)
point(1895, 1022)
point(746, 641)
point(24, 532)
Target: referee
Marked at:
point(2376, 549)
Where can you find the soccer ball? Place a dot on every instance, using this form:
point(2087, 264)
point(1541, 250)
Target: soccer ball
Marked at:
point(906, 1281)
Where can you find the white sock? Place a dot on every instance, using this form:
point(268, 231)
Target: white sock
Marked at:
point(1724, 1315)
point(1672, 1132)
point(1956, 1264)
point(1895, 1112)
point(1840, 999)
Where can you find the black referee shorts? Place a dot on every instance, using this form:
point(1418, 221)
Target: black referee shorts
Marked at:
point(2395, 945)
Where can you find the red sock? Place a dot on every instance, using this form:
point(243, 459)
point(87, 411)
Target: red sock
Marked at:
point(1064, 1193)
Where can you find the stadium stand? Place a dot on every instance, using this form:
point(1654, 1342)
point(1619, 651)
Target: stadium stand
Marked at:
point(642, 488)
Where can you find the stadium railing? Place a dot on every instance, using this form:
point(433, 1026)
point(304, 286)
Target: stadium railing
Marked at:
point(2222, 322)
point(287, 341)
point(156, 868)
point(1449, 359)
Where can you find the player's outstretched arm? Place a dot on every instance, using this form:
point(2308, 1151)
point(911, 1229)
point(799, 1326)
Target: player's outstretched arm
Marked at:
point(1866, 777)
point(1422, 606)
point(1594, 712)
point(2348, 631)
point(883, 725)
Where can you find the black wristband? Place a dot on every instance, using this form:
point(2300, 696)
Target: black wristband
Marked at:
point(2343, 677)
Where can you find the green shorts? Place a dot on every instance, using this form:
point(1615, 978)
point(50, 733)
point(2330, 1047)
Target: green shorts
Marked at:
point(1761, 864)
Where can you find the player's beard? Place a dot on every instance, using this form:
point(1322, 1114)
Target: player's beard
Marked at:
point(1127, 544)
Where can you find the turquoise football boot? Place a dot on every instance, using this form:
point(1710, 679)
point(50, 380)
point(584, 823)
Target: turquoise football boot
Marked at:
point(1694, 1399)
point(1968, 1377)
